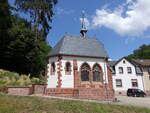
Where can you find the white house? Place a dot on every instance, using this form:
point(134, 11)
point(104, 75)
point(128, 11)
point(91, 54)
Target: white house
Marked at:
point(126, 75)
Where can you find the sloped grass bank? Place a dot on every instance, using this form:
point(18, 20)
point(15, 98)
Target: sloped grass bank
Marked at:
point(16, 104)
point(8, 78)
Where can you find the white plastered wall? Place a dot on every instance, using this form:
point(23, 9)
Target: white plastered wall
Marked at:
point(52, 79)
point(68, 80)
point(125, 77)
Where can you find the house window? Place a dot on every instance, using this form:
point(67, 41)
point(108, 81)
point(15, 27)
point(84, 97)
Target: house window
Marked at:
point(52, 68)
point(97, 73)
point(129, 69)
point(68, 68)
point(134, 83)
point(85, 72)
point(120, 70)
point(118, 83)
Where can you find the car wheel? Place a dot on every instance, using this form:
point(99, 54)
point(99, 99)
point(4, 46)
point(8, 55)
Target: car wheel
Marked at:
point(143, 95)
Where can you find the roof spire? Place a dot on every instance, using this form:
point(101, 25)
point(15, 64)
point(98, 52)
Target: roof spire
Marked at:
point(83, 30)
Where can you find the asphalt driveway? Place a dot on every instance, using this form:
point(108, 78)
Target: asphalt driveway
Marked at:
point(134, 101)
point(122, 100)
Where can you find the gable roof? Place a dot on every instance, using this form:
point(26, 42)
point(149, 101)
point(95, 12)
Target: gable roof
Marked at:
point(141, 62)
point(112, 63)
point(79, 46)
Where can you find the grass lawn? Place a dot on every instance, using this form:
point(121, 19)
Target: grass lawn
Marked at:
point(16, 104)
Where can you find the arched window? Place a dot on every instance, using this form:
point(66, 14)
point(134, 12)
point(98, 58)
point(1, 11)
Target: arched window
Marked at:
point(68, 68)
point(52, 68)
point(85, 72)
point(97, 73)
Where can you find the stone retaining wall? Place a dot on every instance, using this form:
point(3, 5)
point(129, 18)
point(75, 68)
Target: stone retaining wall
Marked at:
point(62, 92)
point(38, 88)
point(83, 93)
point(96, 93)
point(26, 90)
point(23, 91)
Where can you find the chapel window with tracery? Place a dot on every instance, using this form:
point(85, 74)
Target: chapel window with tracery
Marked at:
point(97, 73)
point(85, 72)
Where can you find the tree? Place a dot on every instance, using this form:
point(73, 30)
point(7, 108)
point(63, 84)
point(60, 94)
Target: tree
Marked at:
point(25, 57)
point(142, 53)
point(40, 12)
point(5, 25)
point(20, 51)
point(40, 61)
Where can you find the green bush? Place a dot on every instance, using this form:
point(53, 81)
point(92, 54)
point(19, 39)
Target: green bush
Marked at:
point(14, 79)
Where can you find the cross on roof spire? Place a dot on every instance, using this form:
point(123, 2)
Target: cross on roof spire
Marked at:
point(83, 30)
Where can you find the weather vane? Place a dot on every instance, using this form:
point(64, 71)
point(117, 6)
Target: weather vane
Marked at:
point(83, 30)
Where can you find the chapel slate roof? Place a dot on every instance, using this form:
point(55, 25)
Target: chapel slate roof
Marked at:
point(79, 46)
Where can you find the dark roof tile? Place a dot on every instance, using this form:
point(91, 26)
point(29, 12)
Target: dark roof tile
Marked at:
point(112, 63)
point(80, 46)
point(142, 62)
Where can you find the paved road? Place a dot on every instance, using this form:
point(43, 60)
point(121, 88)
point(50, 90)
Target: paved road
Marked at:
point(134, 101)
point(122, 100)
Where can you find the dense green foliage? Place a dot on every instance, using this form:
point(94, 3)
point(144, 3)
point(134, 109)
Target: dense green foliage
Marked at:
point(142, 53)
point(5, 25)
point(16, 104)
point(29, 52)
point(8, 78)
point(24, 54)
point(20, 49)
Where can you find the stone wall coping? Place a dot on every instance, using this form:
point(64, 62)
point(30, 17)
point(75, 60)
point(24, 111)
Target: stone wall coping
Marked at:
point(39, 84)
point(18, 87)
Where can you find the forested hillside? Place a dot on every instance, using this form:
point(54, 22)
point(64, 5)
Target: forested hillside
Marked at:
point(143, 52)
point(23, 46)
